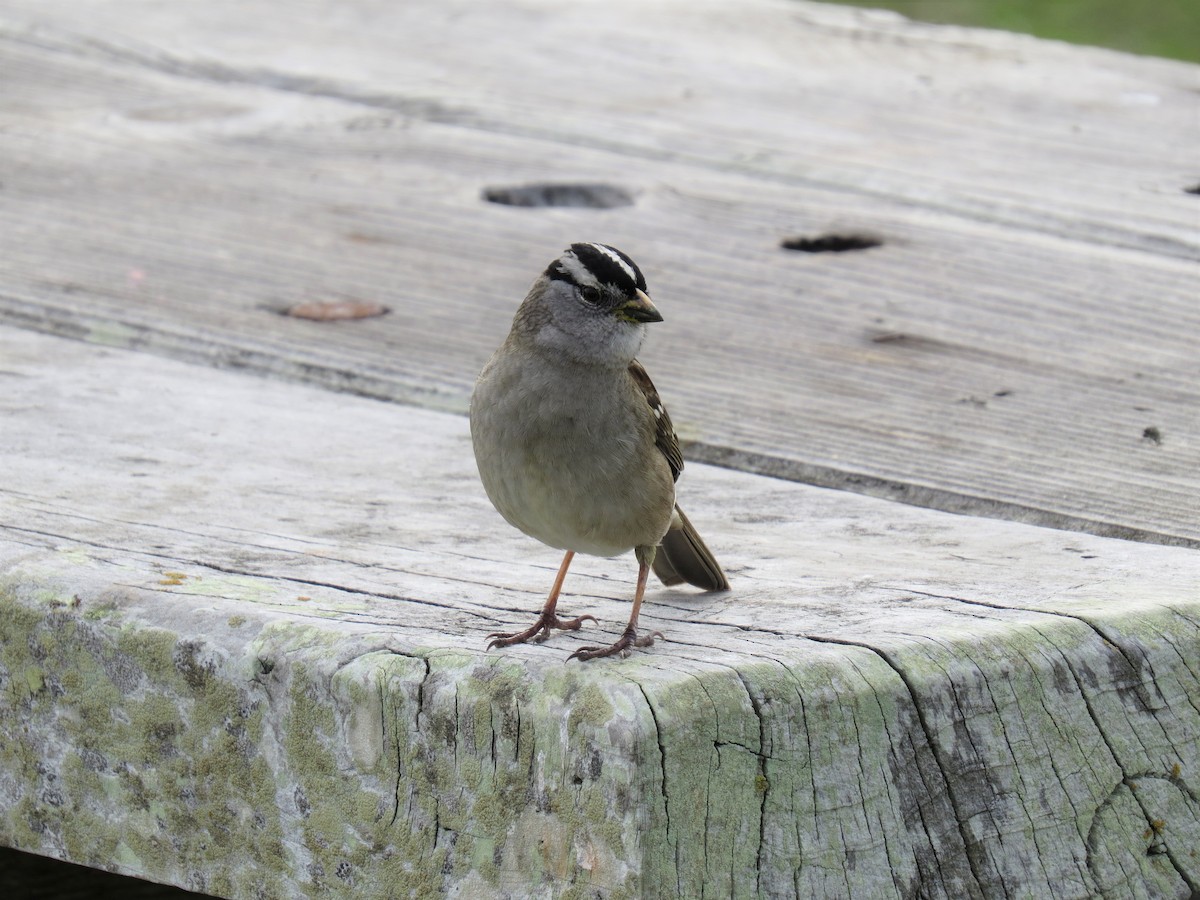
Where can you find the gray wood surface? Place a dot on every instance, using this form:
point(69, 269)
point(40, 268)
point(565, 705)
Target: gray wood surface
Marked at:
point(173, 175)
point(241, 651)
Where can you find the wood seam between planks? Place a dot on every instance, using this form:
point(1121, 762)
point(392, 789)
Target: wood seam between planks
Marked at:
point(224, 354)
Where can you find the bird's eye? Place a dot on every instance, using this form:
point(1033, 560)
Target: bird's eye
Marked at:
point(590, 294)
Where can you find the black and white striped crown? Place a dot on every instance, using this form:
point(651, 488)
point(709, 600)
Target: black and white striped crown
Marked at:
point(598, 265)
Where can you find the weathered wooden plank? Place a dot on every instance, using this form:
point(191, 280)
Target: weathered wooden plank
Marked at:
point(995, 126)
point(990, 357)
point(891, 702)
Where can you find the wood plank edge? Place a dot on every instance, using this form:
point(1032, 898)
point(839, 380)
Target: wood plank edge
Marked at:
point(920, 495)
point(219, 352)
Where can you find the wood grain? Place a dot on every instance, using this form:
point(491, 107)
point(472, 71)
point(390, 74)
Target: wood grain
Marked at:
point(1031, 313)
point(266, 677)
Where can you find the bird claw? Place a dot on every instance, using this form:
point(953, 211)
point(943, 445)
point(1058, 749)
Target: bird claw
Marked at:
point(573, 624)
point(629, 639)
point(538, 631)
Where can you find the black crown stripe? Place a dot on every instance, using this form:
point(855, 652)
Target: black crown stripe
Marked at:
point(607, 270)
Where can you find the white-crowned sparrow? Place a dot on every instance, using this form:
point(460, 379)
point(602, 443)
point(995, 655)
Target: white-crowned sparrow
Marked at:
point(574, 446)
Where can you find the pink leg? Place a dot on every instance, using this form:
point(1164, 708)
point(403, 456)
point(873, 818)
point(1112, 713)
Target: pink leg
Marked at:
point(630, 636)
point(540, 629)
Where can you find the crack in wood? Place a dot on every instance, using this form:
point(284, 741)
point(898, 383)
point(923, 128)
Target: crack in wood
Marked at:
point(1181, 868)
point(395, 737)
point(1092, 841)
point(761, 755)
point(970, 848)
point(1140, 683)
point(1130, 783)
point(231, 570)
point(893, 798)
point(662, 761)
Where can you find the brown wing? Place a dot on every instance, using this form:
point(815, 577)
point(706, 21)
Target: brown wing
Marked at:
point(664, 436)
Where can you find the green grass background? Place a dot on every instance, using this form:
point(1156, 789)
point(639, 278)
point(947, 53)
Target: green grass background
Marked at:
point(1154, 27)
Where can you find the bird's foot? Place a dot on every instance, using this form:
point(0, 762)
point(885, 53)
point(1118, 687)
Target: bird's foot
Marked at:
point(538, 631)
point(621, 647)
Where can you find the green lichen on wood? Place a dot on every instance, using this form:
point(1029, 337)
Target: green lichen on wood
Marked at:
point(132, 751)
point(520, 777)
point(311, 761)
point(437, 772)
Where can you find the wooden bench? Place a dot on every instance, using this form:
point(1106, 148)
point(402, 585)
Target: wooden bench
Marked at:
point(242, 618)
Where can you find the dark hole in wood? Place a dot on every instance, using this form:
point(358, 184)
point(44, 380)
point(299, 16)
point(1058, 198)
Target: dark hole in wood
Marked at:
point(831, 243)
point(1194, 189)
point(1152, 434)
point(587, 196)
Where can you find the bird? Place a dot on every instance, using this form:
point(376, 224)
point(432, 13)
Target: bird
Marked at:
point(573, 443)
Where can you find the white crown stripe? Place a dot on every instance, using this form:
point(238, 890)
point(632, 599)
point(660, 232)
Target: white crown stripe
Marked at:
point(579, 273)
point(617, 259)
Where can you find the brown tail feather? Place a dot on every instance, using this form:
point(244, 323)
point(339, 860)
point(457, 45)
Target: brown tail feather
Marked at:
point(682, 556)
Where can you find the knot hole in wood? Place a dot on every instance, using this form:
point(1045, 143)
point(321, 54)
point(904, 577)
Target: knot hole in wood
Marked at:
point(588, 196)
point(832, 243)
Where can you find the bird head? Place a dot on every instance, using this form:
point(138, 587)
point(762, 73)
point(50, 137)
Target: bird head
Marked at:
point(591, 303)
